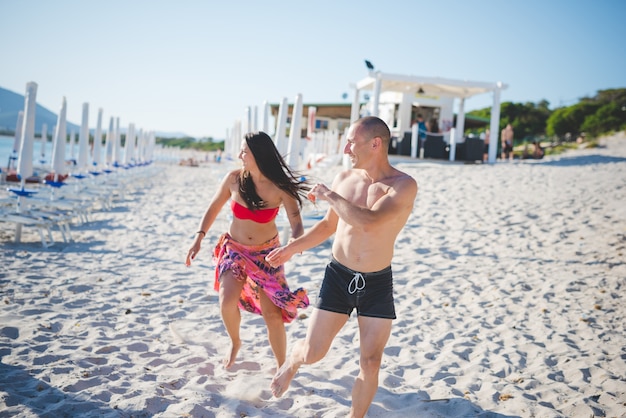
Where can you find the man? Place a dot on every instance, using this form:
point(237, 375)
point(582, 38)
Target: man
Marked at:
point(486, 137)
point(506, 138)
point(369, 206)
point(421, 127)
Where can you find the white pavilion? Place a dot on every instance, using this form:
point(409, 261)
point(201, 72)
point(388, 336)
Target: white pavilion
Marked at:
point(394, 95)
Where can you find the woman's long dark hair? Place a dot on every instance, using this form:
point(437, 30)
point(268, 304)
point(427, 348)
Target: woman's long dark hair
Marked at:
point(273, 166)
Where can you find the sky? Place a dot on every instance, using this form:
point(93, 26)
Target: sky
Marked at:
point(195, 66)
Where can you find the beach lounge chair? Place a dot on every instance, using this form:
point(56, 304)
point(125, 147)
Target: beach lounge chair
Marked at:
point(18, 209)
point(43, 226)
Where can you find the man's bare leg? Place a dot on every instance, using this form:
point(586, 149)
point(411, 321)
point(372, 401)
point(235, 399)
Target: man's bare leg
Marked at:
point(322, 329)
point(374, 334)
point(230, 289)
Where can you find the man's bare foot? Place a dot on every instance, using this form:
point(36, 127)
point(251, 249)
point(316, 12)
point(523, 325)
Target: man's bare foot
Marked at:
point(229, 361)
point(282, 379)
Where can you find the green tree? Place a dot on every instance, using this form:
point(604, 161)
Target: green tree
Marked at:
point(570, 120)
point(605, 112)
point(565, 120)
point(610, 117)
point(205, 144)
point(528, 119)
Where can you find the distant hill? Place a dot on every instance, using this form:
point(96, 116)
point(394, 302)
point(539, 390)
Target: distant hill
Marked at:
point(10, 105)
point(163, 134)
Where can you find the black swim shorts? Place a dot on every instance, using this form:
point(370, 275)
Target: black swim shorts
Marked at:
point(344, 290)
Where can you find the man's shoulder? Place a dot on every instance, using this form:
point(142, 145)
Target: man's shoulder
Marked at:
point(345, 174)
point(403, 176)
point(405, 182)
point(342, 177)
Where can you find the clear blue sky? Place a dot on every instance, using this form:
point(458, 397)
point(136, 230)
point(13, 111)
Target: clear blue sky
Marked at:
point(193, 66)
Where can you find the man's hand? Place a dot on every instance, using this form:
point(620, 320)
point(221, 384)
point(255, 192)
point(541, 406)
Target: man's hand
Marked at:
point(319, 191)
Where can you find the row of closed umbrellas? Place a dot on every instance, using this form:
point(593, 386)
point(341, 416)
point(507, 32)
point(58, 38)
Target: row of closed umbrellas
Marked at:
point(138, 148)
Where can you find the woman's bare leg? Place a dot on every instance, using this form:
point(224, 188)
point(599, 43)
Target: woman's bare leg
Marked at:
point(273, 317)
point(230, 289)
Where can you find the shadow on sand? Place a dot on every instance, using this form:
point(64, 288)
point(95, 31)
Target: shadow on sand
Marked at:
point(579, 160)
point(18, 387)
point(420, 405)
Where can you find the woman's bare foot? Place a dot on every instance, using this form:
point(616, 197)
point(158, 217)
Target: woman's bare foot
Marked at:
point(282, 379)
point(229, 361)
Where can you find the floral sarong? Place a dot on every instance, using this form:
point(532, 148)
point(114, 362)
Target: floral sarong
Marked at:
point(247, 262)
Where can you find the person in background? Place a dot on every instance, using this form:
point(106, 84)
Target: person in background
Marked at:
point(242, 276)
point(486, 136)
point(433, 126)
point(538, 152)
point(368, 207)
point(421, 127)
point(506, 138)
point(421, 131)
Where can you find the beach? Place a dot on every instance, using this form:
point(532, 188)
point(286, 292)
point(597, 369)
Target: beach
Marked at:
point(508, 281)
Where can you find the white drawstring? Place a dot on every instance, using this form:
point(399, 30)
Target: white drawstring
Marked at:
point(357, 283)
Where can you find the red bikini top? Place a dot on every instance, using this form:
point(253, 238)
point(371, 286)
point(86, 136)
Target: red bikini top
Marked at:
point(261, 216)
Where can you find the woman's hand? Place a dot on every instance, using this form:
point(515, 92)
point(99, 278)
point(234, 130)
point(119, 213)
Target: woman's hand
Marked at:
point(194, 250)
point(278, 256)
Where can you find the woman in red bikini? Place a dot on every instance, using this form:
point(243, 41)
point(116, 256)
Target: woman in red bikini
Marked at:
point(242, 276)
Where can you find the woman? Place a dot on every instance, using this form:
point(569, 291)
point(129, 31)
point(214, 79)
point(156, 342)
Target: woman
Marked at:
point(242, 276)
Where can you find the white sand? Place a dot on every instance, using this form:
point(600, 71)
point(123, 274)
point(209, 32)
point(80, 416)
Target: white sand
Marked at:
point(509, 285)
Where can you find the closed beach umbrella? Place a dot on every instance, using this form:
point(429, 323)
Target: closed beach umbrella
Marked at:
point(117, 144)
point(310, 125)
point(25, 155)
point(129, 145)
point(151, 142)
point(281, 125)
point(25, 158)
point(44, 139)
point(18, 132)
point(97, 141)
point(73, 145)
point(140, 147)
point(109, 143)
point(58, 143)
point(266, 117)
point(83, 141)
point(293, 150)
point(248, 120)
point(255, 119)
point(17, 139)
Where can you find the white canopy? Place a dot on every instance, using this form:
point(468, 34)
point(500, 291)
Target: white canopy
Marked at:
point(379, 82)
point(430, 85)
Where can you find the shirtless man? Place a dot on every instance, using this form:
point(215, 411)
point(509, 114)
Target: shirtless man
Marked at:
point(507, 142)
point(369, 206)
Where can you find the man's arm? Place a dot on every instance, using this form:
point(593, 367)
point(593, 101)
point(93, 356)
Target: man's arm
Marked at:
point(313, 237)
point(398, 199)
